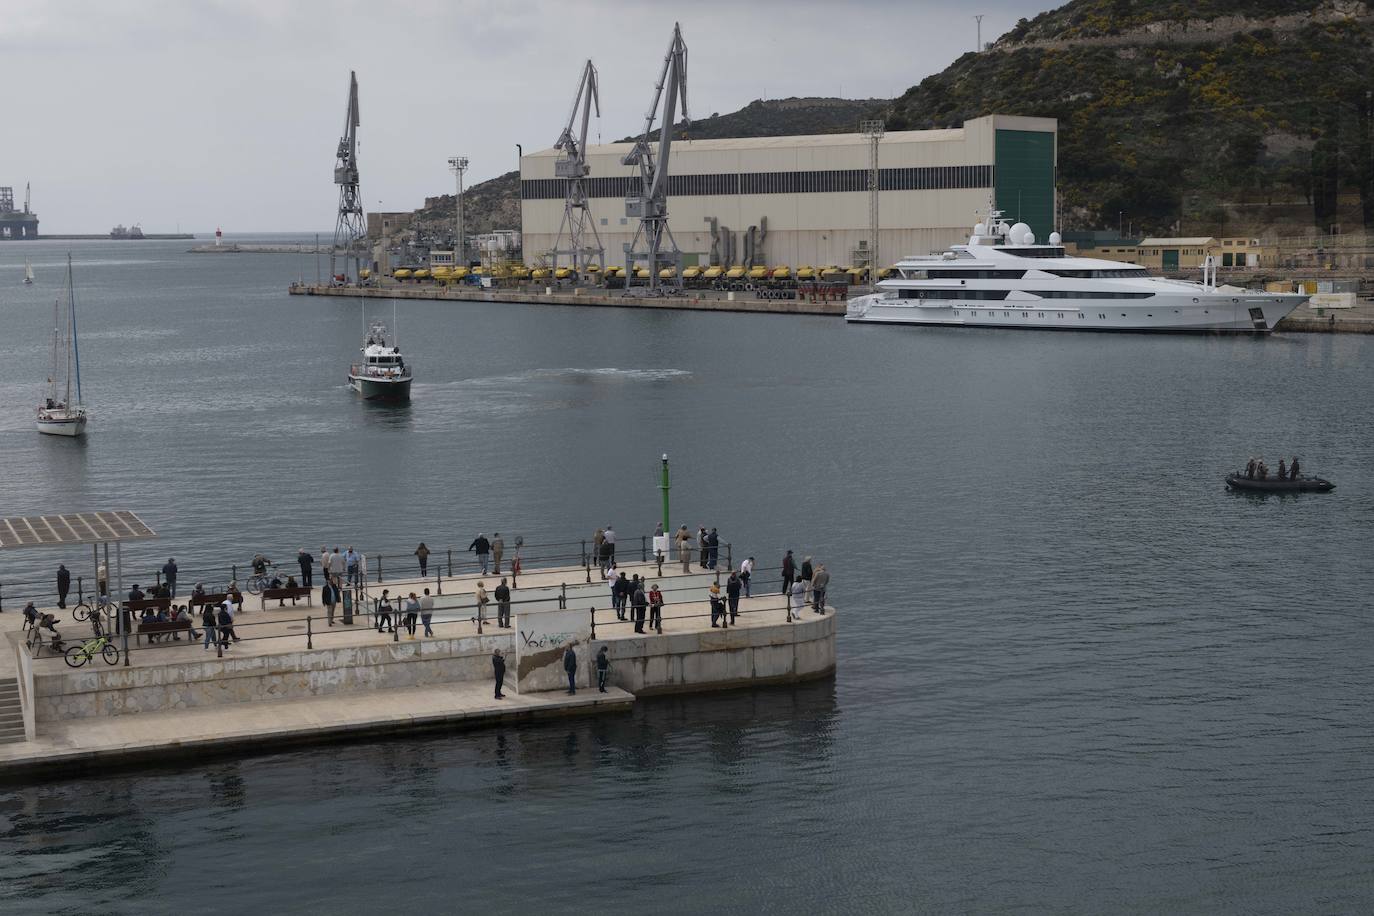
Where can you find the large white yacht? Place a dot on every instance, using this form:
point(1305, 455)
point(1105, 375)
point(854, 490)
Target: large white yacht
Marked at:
point(1003, 279)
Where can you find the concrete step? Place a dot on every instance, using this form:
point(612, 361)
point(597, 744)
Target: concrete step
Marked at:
point(13, 739)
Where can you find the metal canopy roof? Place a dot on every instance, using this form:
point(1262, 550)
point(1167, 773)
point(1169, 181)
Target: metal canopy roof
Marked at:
point(73, 528)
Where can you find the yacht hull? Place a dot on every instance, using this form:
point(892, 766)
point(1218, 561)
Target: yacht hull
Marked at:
point(70, 426)
point(378, 390)
point(1238, 313)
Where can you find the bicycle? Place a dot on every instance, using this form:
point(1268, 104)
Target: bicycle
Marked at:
point(77, 656)
point(257, 582)
point(83, 611)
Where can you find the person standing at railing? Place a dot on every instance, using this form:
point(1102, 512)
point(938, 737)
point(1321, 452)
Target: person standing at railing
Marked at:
point(789, 571)
point(64, 584)
point(422, 554)
point(102, 579)
point(307, 564)
point(482, 599)
point(598, 545)
point(703, 547)
point(684, 548)
point(656, 609)
point(820, 581)
point(503, 604)
point(169, 575)
point(713, 549)
point(412, 615)
point(427, 612)
point(482, 547)
point(329, 598)
point(798, 600)
point(717, 606)
point(351, 565)
point(570, 667)
point(732, 590)
point(746, 572)
point(337, 566)
point(609, 545)
point(807, 571)
point(640, 602)
point(498, 547)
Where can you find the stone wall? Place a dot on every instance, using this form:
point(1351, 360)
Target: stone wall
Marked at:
point(117, 691)
point(717, 659)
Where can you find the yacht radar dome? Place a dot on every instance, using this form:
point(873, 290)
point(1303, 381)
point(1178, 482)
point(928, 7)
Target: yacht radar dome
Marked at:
point(1018, 233)
point(1056, 238)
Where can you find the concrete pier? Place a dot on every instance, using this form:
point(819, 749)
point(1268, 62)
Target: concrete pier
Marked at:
point(294, 679)
point(691, 300)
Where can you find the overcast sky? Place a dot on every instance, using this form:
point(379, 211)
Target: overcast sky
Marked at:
point(200, 114)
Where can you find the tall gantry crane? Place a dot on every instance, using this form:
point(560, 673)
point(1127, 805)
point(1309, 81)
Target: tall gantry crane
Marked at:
point(350, 230)
point(572, 167)
point(650, 204)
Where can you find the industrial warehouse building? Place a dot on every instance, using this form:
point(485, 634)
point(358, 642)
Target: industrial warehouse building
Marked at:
point(805, 200)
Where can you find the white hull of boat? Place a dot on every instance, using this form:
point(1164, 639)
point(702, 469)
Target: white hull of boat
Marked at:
point(70, 426)
point(1246, 313)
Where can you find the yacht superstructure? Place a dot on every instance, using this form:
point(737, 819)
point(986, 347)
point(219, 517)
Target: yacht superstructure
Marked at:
point(1003, 279)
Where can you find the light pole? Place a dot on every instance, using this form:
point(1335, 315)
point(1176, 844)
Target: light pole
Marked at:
point(979, 19)
point(664, 486)
point(873, 130)
point(459, 165)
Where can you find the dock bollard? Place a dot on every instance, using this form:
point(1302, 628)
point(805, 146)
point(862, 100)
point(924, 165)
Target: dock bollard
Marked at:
point(563, 598)
point(584, 551)
point(309, 633)
point(593, 623)
point(379, 569)
point(589, 573)
point(450, 562)
point(439, 581)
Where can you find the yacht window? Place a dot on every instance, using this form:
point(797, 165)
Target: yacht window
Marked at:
point(979, 274)
point(1074, 294)
point(1046, 252)
point(1093, 273)
point(947, 294)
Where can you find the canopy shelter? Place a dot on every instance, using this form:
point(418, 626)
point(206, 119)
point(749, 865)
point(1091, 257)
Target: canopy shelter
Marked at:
point(99, 529)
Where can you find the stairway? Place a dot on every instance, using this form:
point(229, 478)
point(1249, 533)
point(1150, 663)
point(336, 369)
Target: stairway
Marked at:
point(11, 712)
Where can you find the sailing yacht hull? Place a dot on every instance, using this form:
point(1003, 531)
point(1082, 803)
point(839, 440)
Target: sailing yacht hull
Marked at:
point(70, 426)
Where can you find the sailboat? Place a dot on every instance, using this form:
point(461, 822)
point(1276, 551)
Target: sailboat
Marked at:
point(28, 273)
point(58, 415)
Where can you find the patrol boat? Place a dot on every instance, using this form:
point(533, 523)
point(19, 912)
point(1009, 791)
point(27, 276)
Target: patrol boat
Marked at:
point(1003, 279)
point(382, 374)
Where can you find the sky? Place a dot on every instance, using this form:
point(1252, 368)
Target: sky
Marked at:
point(187, 115)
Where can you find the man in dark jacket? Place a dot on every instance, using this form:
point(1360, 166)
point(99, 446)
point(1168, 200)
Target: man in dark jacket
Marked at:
point(640, 601)
point(64, 584)
point(603, 668)
point(482, 547)
point(226, 626)
point(620, 595)
point(503, 604)
point(713, 551)
point(169, 575)
point(789, 572)
point(732, 590)
point(498, 667)
point(307, 563)
point(570, 666)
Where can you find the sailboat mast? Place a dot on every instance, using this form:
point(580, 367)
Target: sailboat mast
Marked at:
point(76, 347)
point(67, 340)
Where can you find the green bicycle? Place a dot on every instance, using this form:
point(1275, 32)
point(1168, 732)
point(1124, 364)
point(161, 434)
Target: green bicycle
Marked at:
point(78, 655)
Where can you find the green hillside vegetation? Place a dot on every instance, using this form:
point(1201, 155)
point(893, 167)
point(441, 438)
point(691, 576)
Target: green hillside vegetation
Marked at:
point(1250, 114)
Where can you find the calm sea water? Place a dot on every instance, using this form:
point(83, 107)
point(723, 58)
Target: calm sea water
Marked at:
point(1075, 674)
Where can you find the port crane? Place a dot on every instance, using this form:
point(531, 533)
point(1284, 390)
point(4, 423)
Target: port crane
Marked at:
point(650, 203)
point(349, 231)
point(572, 167)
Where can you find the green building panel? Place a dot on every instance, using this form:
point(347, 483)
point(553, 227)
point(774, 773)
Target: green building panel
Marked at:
point(1025, 179)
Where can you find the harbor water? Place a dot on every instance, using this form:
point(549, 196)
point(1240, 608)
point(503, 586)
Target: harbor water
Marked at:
point(1074, 673)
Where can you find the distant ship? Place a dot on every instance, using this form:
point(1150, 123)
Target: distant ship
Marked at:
point(119, 232)
point(1003, 279)
point(383, 374)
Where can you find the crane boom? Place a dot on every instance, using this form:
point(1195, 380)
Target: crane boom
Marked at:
point(650, 205)
point(348, 230)
point(572, 167)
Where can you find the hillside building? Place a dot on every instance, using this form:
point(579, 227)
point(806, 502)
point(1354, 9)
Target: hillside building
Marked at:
point(805, 200)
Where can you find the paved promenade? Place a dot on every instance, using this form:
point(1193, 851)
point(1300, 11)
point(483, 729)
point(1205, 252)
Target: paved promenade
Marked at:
point(277, 629)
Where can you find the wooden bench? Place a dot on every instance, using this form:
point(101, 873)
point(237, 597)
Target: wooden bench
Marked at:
point(281, 594)
point(161, 627)
point(214, 599)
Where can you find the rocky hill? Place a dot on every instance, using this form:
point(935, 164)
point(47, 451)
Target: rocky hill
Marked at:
point(1208, 117)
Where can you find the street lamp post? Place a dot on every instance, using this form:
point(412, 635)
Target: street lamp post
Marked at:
point(459, 165)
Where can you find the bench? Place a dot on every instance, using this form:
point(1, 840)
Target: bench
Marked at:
point(281, 594)
point(214, 599)
point(161, 627)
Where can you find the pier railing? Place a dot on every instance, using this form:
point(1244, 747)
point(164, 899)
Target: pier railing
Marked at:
point(311, 629)
point(376, 567)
